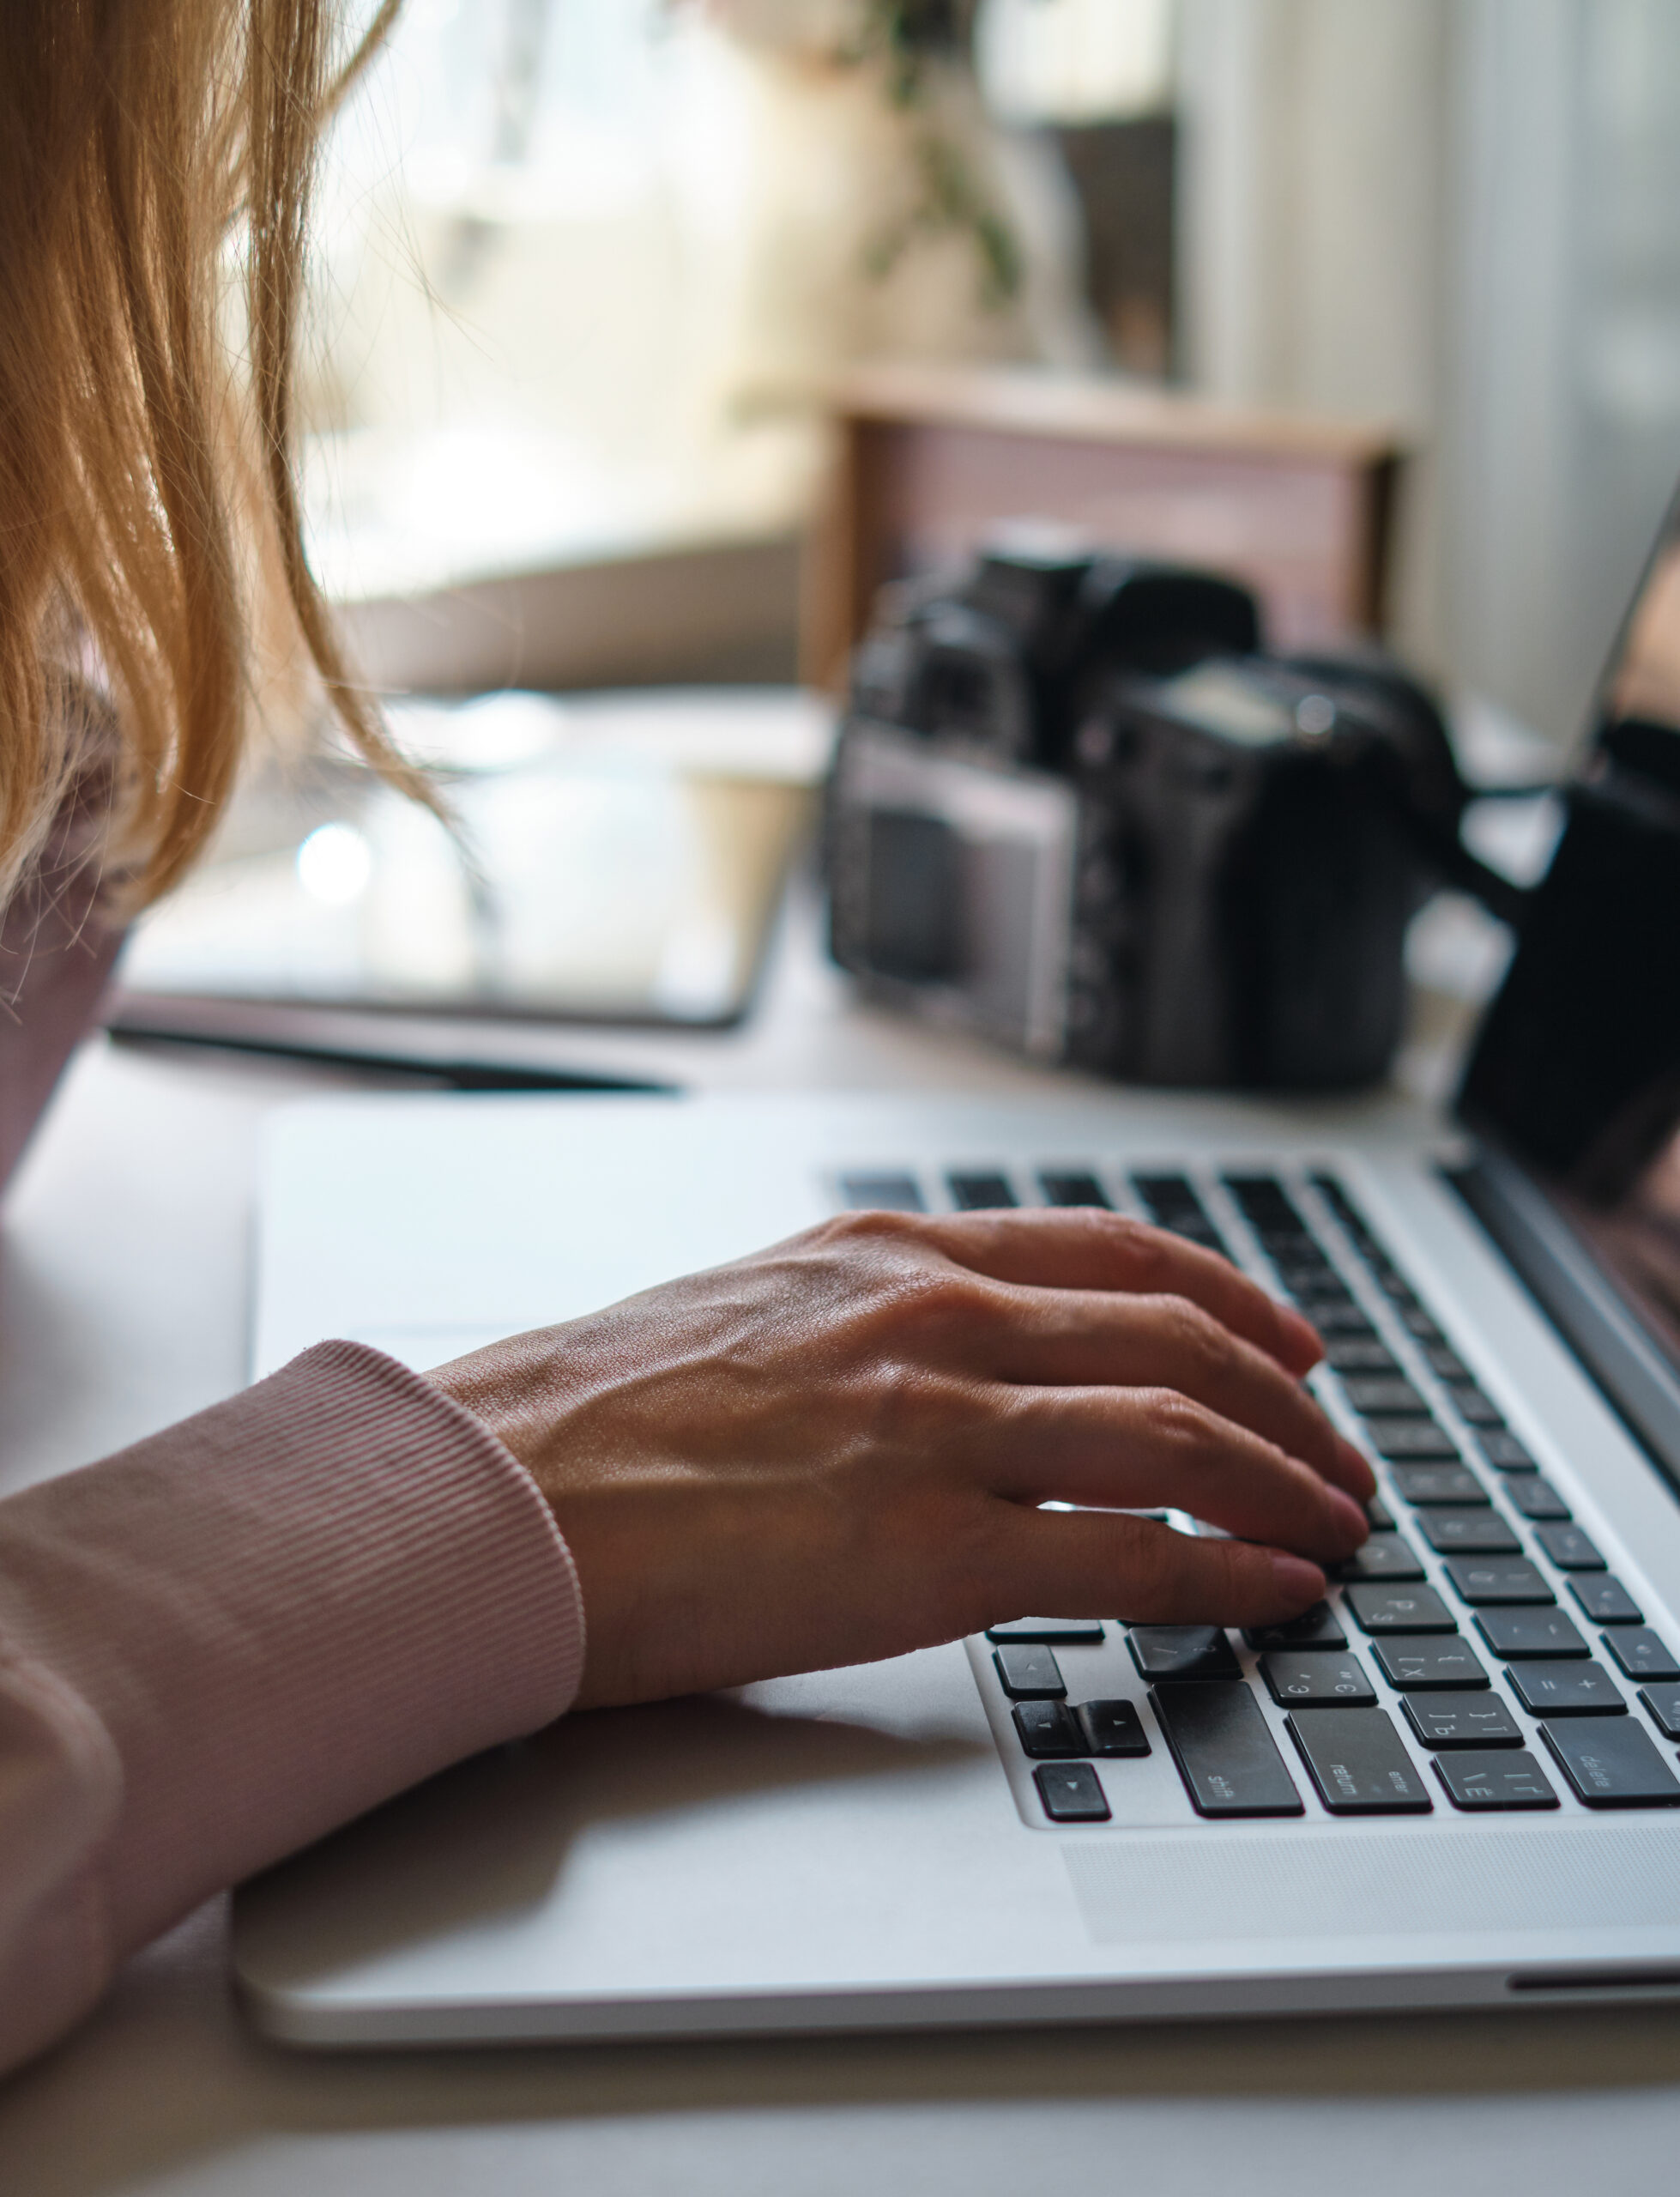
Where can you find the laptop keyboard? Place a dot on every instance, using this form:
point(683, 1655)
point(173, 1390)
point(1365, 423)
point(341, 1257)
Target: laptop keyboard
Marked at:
point(1480, 1649)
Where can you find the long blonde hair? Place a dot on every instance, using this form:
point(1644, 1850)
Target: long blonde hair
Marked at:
point(145, 466)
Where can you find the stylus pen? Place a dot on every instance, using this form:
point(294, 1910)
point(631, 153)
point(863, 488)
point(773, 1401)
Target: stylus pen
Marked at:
point(453, 1075)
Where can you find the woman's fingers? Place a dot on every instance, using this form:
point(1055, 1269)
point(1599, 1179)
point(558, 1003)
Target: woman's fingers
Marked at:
point(1084, 1248)
point(1140, 1448)
point(1080, 1338)
point(1073, 1563)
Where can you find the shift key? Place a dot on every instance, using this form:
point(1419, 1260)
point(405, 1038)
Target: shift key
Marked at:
point(1225, 1754)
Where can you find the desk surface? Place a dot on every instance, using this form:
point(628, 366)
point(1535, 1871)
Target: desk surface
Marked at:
point(123, 1306)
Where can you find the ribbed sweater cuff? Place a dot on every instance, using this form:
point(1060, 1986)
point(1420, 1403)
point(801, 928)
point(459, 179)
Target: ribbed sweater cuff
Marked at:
point(288, 1609)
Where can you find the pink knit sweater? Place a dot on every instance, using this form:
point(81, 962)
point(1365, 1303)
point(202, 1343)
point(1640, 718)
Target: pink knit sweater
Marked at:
point(222, 1642)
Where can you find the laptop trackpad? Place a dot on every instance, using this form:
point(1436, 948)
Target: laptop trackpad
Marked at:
point(1357, 1881)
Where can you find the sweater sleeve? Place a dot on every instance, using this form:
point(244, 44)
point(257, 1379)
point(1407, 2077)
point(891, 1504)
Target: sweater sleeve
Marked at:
point(218, 1644)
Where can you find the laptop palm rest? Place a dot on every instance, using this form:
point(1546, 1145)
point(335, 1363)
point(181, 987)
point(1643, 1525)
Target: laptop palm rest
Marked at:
point(842, 1850)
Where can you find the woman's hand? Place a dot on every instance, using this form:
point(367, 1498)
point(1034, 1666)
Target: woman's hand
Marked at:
point(835, 1450)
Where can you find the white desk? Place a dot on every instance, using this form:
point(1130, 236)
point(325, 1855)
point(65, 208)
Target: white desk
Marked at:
point(122, 1305)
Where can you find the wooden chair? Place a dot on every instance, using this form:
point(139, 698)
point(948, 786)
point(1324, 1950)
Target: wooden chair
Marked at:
point(930, 460)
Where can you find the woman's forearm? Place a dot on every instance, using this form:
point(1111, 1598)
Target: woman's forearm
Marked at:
point(222, 1642)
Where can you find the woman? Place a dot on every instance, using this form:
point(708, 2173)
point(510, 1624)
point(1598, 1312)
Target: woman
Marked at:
point(220, 1642)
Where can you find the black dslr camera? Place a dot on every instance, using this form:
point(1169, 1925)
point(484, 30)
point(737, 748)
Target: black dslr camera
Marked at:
point(1074, 805)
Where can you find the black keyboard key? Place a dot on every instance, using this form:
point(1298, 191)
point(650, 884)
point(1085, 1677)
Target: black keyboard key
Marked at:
point(1642, 1653)
point(1534, 1497)
point(1047, 1729)
point(1072, 1792)
point(1430, 1666)
point(1473, 1406)
point(1359, 1763)
point(1505, 1454)
point(1569, 1549)
point(1488, 1581)
point(1182, 1652)
point(1029, 1674)
point(1468, 1531)
point(1461, 1720)
point(1226, 1756)
point(1047, 1632)
point(1313, 1628)
point(1402, 1440)
point(1381, 1516)
point(1385, 1556)
point(1204, 1235)
point(1331, 1189)
point(1292, 1249)
point(1384, 1609)
point(1446, 1364)
point(1613, 1763)
point(1529, 1635)
point(1382, 1393)
point(1661, 1704)
point(1477, 1782)
point(1358, 1354)
point(1417, 1322)
point(1333, 1320)
point(1164, 1195)
point(1566, 1690)
point(1313, 1284)
point(1112, 1727)
point(1606, 1600)
point(1326, 1301)
point(1171, 1201)
point(1265, 1204)
point(1072, 1186)
point(887, 1192)
point(1288, 1243)
point(1302, 1680)
point(980, 1189)
point(1440, 1487)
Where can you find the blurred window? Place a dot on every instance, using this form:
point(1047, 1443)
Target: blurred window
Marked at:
point(495, 379)
point(1076, 61)
point(582, 263)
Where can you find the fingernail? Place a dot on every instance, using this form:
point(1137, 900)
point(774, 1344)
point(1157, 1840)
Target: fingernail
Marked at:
point(1302, 1332)
point(1297, 1580)
point(1352, 1514)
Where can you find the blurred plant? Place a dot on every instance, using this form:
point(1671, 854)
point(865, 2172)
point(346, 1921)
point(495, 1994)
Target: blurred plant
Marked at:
point(906, 33)
point(914, 46)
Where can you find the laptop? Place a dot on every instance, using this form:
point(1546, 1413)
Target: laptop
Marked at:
point(1455, 1783)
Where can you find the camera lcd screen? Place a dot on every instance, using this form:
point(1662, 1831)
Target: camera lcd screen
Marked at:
point(1576, 1072)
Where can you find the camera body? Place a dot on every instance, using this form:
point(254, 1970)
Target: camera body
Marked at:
point(1075, 806)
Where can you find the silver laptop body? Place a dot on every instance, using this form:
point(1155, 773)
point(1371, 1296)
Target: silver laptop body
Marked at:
point(1472, 1801)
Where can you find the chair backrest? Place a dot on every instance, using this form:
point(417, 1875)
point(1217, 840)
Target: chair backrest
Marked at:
point(929, 461)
